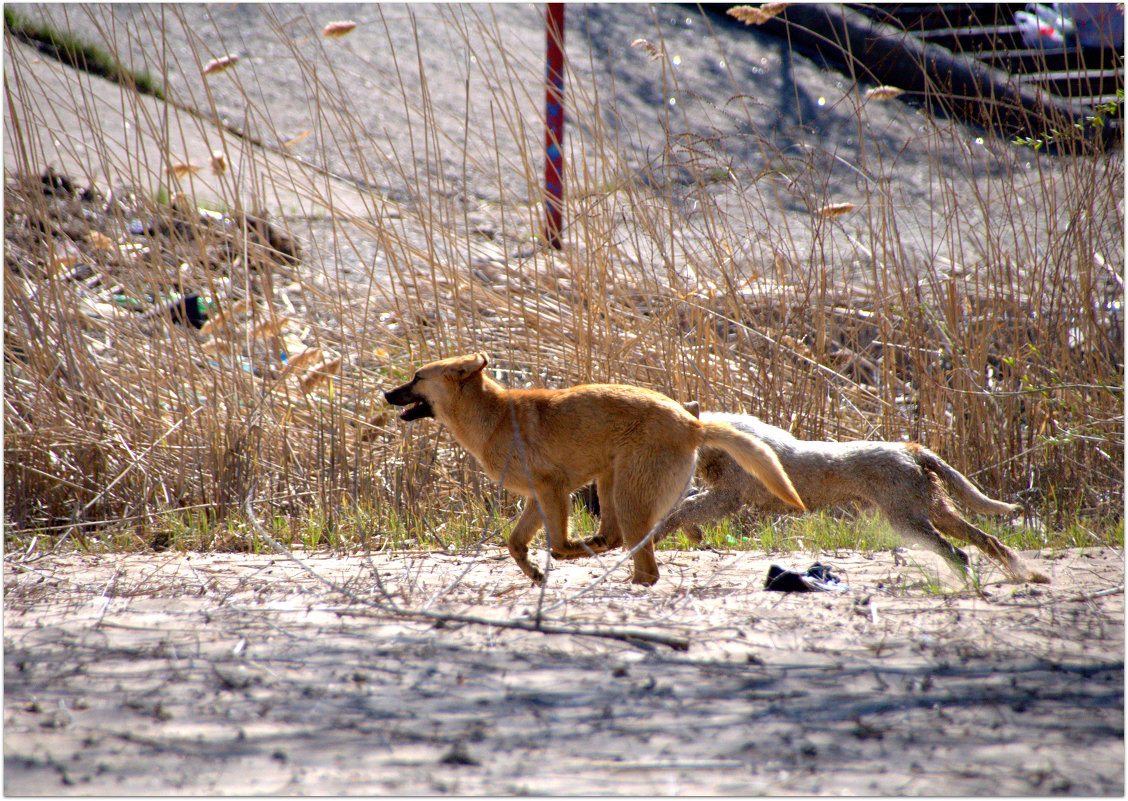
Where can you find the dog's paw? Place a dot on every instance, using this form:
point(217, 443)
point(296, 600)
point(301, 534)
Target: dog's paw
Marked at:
point(534, 574)
point(580, 548)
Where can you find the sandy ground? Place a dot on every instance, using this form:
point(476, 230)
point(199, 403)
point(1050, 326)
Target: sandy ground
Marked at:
point(240, 674)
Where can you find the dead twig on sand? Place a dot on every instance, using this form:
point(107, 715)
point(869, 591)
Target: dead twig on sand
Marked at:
point(1083, 597)
point(636, 637)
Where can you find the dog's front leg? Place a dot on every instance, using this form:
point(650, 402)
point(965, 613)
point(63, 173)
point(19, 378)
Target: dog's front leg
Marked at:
point(548, 507)
point(523, 532)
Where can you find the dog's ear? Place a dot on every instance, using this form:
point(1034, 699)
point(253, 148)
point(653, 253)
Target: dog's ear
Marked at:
point(467, 366)
point(693, 407)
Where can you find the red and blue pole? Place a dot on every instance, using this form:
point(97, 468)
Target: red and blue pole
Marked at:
point(554, 123)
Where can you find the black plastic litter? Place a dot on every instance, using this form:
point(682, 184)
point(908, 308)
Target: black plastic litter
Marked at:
point(818, 578)
point(56, 184)
point(189, 309)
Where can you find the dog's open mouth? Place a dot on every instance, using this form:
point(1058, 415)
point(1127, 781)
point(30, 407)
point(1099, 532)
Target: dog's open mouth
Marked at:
point(416, 412)
point(417, 405)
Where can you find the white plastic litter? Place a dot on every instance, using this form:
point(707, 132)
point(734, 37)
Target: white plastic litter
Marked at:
point(1072, 25)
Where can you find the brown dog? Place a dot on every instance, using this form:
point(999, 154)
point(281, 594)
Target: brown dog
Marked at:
point(638, 445)
point(906, 481)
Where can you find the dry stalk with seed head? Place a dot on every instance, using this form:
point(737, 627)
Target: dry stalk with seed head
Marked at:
point(335, 30)
point(883, 93)
point(647, 47)
point(217, 65)
point(752, 15)
point(320, 374)
point(835, 210)
point(182, 169)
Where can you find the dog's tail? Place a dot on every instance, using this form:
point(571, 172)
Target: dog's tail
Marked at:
point(755, 457)
point(960, 484)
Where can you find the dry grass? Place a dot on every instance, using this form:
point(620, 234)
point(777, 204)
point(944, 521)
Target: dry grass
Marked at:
point(121, 426)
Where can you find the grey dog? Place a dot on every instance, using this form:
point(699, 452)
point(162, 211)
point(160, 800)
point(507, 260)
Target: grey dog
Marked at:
point(907, 482)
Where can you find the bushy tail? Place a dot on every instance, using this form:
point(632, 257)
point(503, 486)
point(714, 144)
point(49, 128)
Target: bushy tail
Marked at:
point(960, 485)
point(755, 457)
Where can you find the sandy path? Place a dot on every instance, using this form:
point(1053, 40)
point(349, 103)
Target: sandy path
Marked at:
point(245, 674)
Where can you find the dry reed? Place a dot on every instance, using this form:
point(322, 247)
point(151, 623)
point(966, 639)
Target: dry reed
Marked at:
point(677, 273)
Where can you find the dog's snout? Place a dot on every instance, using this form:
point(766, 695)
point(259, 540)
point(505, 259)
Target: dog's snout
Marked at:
point(418, 405)
point(401, 395)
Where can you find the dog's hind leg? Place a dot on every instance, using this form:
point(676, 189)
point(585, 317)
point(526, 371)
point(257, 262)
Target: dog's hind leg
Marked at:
point(918, 529)
point(943, 473)
point(636, 521)
point(643, 495)
point(949, 521)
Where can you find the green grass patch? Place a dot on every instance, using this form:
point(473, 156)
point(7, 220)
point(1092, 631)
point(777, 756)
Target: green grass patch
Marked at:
point(74, 52)
point(358, 528)
point(820, 531)
point(869, 532)
point(1076, 533)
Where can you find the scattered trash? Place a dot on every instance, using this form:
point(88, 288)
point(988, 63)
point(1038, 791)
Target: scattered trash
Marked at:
point(1071, 25)
point(56, 184)
point(1040, 27)
point(83, 272)
point(99, 241)
point(818, 578)
point(63, 256)
point(320, 374)
point(189, 309)
point(90, 246)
